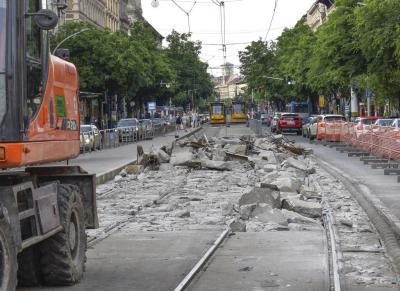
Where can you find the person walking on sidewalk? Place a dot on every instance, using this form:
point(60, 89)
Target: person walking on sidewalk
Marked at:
point(178, 123)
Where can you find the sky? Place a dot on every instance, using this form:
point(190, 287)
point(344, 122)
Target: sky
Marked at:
point(246, 21)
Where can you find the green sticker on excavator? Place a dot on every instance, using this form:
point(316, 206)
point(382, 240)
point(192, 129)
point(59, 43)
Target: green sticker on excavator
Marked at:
point(60, 103)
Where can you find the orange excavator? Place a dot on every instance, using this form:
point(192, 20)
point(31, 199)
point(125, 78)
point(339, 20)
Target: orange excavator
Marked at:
point(44, 210)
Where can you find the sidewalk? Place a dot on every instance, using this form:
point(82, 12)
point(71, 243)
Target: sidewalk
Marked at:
point(107, 163)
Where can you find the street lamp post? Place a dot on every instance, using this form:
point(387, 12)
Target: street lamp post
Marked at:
point(67, 38)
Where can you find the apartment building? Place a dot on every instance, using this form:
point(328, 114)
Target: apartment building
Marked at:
point(88, 11)
point(319, 12)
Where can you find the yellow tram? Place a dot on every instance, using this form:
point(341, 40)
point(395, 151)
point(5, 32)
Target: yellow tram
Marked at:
point(217, 112)
point(238, 112)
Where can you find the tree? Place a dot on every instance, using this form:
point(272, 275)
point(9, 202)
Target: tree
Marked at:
point(377, 31)
point(192, 79)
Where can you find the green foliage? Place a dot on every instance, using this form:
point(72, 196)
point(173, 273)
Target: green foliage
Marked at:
point(358, 46)
point(134, 66)
point(191, 72)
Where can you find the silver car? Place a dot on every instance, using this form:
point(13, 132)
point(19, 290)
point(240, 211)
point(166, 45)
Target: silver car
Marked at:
point(90, 137)
point(129, 130)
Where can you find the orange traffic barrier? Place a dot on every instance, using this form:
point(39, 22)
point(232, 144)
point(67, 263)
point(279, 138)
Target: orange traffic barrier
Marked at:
point(381, 141)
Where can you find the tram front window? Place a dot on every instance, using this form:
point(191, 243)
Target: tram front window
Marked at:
point(237, 108)
point(217, 110)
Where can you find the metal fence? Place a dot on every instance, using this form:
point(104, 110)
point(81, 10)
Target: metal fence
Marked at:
point(256, 126)
point(381, 141)
point(115, 137)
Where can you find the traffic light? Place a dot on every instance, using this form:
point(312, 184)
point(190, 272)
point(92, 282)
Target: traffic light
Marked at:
point(290, 81)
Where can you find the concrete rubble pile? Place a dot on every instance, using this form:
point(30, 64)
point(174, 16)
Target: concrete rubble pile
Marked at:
point(248, 184)
point(273, 195)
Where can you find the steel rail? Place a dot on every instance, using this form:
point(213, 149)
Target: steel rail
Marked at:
point(192, 274)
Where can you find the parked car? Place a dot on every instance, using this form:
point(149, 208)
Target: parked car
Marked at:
point(306, 126)
point(383, 122)
point(158, 123)
point(274, 121)
point(146, 126)
point(333, 121)
point(364, 124)
point(263, 116)
point(289, 122)
point(90, 137)
point(128, 129)
point(396, 123)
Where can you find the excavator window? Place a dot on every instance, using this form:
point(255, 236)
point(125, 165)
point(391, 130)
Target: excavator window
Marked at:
point(33, 61)
point(3, 27)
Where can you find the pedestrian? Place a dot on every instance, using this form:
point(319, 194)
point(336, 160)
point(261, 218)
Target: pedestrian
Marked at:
point(178, 122)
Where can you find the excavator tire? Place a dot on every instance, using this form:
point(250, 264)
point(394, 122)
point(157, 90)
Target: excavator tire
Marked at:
point(29, 274)
point(63, 256)
point(8, 257)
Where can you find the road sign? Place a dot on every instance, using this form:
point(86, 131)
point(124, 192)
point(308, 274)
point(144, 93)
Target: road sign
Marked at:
point(151, 106)
point(321, 101)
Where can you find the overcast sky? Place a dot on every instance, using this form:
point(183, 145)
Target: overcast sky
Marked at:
point(246, 20)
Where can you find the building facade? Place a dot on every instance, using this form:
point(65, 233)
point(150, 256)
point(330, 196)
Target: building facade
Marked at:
point(134, 10)
point(88, 11)
point(319, 13)
point(112, 15)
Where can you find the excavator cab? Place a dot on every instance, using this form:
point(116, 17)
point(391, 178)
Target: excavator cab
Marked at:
point(39, 114)
point(44, 209)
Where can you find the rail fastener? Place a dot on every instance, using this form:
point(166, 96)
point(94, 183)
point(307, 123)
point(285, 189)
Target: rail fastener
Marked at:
point(385, 166)
point(358, 154)
point(391, 171)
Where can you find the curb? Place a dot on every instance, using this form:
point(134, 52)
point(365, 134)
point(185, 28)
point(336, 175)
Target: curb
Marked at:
point(190, 133)
point(387, 224)
point(110, 174)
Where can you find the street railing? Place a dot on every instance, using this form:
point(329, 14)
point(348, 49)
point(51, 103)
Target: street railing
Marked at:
point(381, 141)
point(115, 137)
point(256, 126)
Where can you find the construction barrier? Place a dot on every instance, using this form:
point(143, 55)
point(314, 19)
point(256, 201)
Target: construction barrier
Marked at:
point(381, 141)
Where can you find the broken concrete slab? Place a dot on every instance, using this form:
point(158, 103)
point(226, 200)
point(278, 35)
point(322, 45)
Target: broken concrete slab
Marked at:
point(286, 183)
point(308, 193)
point(238, 149)
point(237, 225)
point(163, 157)
point(266, 195)
point(216, 165)
point(227, 208)
point(134, 169)
point(309, 209)
point(268, 168)
point(265, 213)
point(268, 156)
point(219, 155)
point(293, 217)
point(246, 210)
point(299, 165)
point(180, 156)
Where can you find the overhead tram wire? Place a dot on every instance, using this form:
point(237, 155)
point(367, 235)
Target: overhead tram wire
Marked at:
point(272, 19)
point(186, 12)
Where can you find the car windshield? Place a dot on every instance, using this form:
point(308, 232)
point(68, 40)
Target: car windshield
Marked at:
point(85, 129)
point(368, 121)
point(3, 27)
point(384, 122)
point(334, 118)
point(127, 122)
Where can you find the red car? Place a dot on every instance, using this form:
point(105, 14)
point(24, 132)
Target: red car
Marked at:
point(289, 122)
